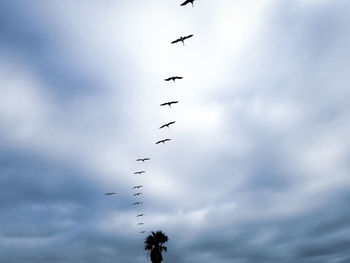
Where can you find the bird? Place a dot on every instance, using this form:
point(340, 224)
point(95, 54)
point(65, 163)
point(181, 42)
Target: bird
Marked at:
point(167, 124)
point(169, 103)
point(110, 193)
point(142, 232)
point(140, 224)
point(163, 141)
point(140, 215)
point(182, 39)
point(137, 203)
point(137, 194)
point(140, 172)
point(143, 159)
point(187, 1)
point(173, 78)
point(137, 187)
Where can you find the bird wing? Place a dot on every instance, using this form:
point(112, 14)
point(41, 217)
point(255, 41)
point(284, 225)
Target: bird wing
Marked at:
point(138, 160)
point(188, 36)
point(185, 3)
point(161, 127)
point(168, 79)
point(167, 140)
point(158, 142)
point(164, 104)
point(177, 77)
point(173, 102)
point(172, 122)
point(147, 159)
point(175, 41)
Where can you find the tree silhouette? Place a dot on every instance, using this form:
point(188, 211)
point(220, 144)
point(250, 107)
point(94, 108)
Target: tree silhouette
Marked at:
point(154, 242)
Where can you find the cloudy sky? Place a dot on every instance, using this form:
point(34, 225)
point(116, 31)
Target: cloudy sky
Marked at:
point(258, 166)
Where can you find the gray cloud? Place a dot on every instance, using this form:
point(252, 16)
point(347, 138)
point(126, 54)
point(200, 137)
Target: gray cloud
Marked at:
point(258, 166)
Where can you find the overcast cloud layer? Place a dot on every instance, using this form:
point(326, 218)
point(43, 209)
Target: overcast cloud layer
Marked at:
point(258, 166)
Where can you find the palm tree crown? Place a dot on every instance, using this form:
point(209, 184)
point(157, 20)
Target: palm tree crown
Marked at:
point(155, 243)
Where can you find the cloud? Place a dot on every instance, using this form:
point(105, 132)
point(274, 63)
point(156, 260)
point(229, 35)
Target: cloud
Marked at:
point(257, 169)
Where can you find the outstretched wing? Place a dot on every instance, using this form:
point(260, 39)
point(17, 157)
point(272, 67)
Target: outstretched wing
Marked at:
point(164, 104)
point(177, 77)
point(161, 127)
point(166, 140)
point(146, 159)
point(173, 102)
point(186, 2)
point(188, 36)
point(172, 122)
point(159, 142)
point(168, 79)
point(175, 41)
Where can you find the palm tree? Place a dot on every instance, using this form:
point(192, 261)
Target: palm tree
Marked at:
point(155, 243)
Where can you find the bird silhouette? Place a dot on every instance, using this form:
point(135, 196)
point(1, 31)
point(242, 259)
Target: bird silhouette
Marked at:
point(182, 39)
point(110, 193)
point(173, 78)
point(137, 194)
point(163, 141)
point(187, 2)
point(140, 172)
point(137, 187)
point(140, 224)
point(140, 215)
point(143, 159)
point(167, 124)
point(169, 103)
point(137, 203)
point(142, 232)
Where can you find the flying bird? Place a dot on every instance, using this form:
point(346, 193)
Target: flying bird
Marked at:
point(140, 215)
point(182, 39)
point(169, 103)
point(109, 193)
point(140, 172)
point(163, 141)
point(137, 194)
point(167, 124)
point(140, 224)
point(187, 1)
point(137, 203)
point(173, 78)
point(142, 232)
point(137, 186)
point(143, 159)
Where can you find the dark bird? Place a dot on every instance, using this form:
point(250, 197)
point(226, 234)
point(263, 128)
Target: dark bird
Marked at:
point(169, 103)
point(182, 39)
point(140, 172)
point(140, 224)
point(137, 203)
point(142, 232)
point(137, 194)
point(163, 141)
point(109, 193)
point(137, 186)
point(167, 124)
point(173, 78)
point(140, 215)
point(143, 159)
point(187, 1)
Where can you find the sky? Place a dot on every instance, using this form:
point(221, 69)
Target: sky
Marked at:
point(258, 167)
